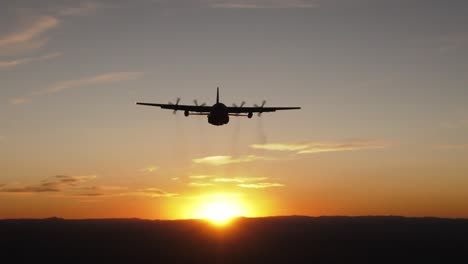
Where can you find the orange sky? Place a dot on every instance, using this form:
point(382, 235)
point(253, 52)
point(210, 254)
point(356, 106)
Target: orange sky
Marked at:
point(383, 128)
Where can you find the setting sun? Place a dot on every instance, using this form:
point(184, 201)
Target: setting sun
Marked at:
point(220, 209)
point(220, 212)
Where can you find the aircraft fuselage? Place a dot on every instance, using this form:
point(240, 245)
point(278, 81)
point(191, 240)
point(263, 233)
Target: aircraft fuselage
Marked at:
point(219, 115)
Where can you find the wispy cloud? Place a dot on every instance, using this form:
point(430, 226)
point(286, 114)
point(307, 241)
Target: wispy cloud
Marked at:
point(453, 146)
point(81, 9)
point(215, 196)
point(200, 176)
point(200, 184)
point(150, 169)
point(29, 36)
point(93, 80)
point(211, 181)
point(317, 147)
point(251, 4)
point(17, 62)
point(240, 4)
point(224, 160)
point(118, 191)
point(240, 179)
point(78, 186)
point(52, 184)
point(260, 185)
point(153, 192)
point(18, 100)
point(100, 79)
point(31, 33)
point(282, 146)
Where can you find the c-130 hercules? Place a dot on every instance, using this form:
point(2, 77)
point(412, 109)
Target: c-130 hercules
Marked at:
point(218, 114)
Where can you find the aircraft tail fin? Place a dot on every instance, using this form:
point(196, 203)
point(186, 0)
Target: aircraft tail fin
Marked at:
point(217, 95)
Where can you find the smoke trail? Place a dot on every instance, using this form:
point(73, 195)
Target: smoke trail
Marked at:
point(180, 146)
point(235, 139)
point(203, 141)
point(262, 137)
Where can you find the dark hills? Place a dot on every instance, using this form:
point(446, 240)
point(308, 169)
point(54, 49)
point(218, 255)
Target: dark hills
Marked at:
point(292, 239)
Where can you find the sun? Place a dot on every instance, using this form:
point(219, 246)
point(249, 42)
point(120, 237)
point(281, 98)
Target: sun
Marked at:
point(220, 211)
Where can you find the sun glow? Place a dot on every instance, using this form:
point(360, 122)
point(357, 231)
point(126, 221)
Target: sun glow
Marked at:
point(220, 210)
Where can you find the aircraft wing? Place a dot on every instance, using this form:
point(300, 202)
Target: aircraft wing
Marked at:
point(178, 107)
point(257, 109)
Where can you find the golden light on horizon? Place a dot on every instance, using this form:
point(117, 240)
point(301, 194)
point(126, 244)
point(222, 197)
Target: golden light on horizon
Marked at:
point(220, 212)
point(220, 209)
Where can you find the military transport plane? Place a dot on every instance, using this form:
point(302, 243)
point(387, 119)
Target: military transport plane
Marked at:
point(218, 114)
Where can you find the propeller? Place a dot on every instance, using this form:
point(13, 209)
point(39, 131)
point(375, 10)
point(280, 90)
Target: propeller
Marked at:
point(240, 106)
point(196, 103)
point(176, 104)
point(263, 104)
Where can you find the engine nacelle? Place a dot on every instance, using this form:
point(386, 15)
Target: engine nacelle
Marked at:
point(186, 113)
point(250, 115)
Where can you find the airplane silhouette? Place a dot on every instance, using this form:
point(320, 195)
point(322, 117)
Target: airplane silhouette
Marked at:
point(219, 113)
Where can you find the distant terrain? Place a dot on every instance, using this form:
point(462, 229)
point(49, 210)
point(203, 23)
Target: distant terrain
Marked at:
point(290, 239)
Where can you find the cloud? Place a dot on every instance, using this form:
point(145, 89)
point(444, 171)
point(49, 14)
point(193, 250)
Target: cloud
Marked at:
point(200, 184)
point(118, 191)
point(224, 160)
point(78, 83)
point(281, 146)
point(215, 196)
point(18, 100)
point(317, 147)
point(251, 4)
point(150, 169)
point(93, 80)
point(200, 176)
point(96, 194)
point(30, 189)
point(83, 8)
point(240, 179)
point(153, 192)
point(52, 184)
point(76, 186)
point(14, 63)
point(30, 35)
point(454, 146)
point(240, 4)
point(260, 185)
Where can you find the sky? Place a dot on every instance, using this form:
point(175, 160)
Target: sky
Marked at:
point(383, 128)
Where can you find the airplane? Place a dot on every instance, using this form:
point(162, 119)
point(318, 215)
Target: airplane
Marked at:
point(218, 114)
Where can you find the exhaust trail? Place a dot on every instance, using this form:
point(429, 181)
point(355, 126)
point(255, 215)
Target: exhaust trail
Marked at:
point(180, 147)
point(261, 139)
point(235, 139)
point(203, 143)
point(262, 136)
